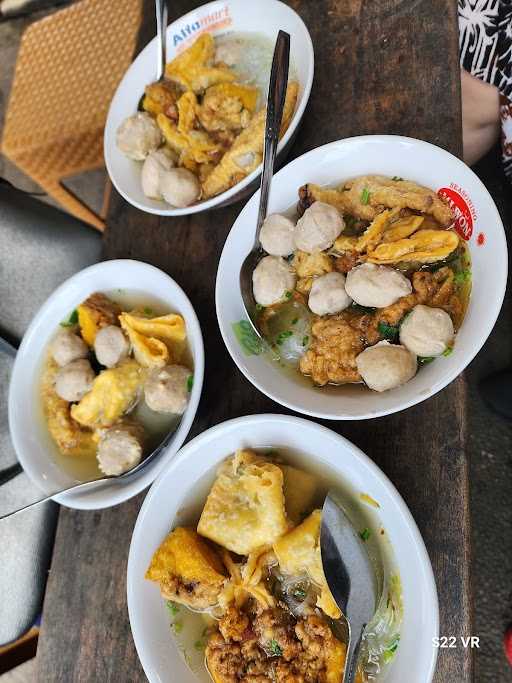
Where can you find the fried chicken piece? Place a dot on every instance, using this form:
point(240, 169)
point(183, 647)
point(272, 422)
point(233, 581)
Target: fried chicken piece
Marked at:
point(366, 196)
point(331, 356)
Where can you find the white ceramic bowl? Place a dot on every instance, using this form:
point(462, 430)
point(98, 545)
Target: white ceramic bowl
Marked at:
point(265, 17)
point(393, 156)
point(29, 434)
point(184, 485)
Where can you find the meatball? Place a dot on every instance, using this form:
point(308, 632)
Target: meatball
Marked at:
point(119, 449)
point(427, 331)
point(74, 380)
point(271, 280)
point(67, 347)
point(318, 228)
point(156, 162)
point(110, 346)
point(328, 295)
point(376, 286)
point(138, 135)
point(386, 366)
point(179, 187)
point(276, 235)
point(166, 389)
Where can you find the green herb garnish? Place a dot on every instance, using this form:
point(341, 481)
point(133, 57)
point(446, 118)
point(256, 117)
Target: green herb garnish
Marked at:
point(396, 178)
point(199, 645)
point(177, 626)
point(148, 311)
point(172, 607)
point(282, 336)
point(190, 382)
point(295, 321)
point(448, 351)
point(299, 594)
point(288, 294)
point(365, 196)
point(389, 332)
point(462, 276)
point(425, 360)
point(389, 652)
point(365, 534)
point(274, 648)
point(305, 340)
point(72, 320)
point(251, 344)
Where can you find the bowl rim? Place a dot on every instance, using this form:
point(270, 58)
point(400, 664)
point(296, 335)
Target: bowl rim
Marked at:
point(494, 307)
point(201, 440)
point(31, 341)
point(109, 137)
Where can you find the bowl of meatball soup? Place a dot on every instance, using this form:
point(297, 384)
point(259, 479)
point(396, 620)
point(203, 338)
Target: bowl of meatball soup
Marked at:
point(107, 371)
point(382, 271)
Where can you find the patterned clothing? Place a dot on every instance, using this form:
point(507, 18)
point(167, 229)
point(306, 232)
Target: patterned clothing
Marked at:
point(485, 39)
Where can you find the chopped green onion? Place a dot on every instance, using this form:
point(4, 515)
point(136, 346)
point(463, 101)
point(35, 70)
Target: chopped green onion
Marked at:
point(274, 648)
point(199, 645)
point(177, 626)
point(396, 178)
point(295, 321)
point(365, 534)
point(462, 276)
point(305, 340)
point(425, 360)
point(173, 608)
point(288, 294)
point(72, 320)
point(190, 382)
point(448, 351)
point(282, 336)
point(389, 652)
point(148, 311)
point(389, 332)
point(365, 196)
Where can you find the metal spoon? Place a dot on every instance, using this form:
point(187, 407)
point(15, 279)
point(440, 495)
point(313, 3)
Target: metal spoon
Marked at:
point(275, 105)
point(161, 40)
point(120, 478)
point(350, 576)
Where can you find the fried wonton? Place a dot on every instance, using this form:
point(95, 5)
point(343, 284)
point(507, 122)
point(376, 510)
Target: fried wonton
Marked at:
point(299, 552)
point(245, 509)
point(114, 392)
point(155, 341)
point(95, 312)
point(194, 70)
point(188, 569)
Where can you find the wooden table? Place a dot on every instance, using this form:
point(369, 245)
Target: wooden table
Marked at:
point(382, 66)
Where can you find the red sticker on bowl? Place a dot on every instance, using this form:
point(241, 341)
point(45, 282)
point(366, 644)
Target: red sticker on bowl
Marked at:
point(462, 207)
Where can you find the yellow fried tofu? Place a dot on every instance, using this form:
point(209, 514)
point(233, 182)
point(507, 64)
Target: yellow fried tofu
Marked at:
point(309, 265)
point(187, 105)
point(194, 144)
point(95, 312)
point(298, 552)
point(155, 341)
point(246, 153)
point(114, 392)
point(70, 437)
point(245, 509)
point(227, 107)
point(187, 569)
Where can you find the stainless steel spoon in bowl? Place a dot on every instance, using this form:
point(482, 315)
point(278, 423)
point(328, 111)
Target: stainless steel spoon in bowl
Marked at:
point(161, 14)
point(350, 576)
point(275, 105)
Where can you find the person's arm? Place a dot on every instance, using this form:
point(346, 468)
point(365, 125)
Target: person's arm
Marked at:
point(480, 117)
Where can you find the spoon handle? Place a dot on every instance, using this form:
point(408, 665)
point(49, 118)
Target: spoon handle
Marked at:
point(275, 105)
point(354, 645)
point(161, 28)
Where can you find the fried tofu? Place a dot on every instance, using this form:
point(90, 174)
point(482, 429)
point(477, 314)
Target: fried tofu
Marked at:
point(95, 312)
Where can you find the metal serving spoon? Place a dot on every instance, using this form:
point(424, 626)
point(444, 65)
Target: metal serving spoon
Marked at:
point(275, 105)
point(161, 41)
point(118, 479)
point(350, 576)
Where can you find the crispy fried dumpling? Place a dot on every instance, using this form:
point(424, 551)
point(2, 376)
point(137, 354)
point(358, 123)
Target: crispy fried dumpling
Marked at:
point(155, 341)
point(246, 153)
point(193, 69)
point(95, 312)
point(114, 392)
point(245, 509)
point(424, 246)
point(187, 569)
point(299, 552)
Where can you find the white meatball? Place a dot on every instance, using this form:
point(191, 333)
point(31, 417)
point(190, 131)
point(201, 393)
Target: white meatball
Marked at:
point(138, 135)
point(386, 366)
point(166, 389)
point(74, 380)
point(318, 228)
point(67, 347)
point(119, 450)
point(276, 235)
point(328, 295)
point(271, 280)
point(179, 187)
point(110, 346)
point(376, 286)
point(427, 331)
point(158, 161)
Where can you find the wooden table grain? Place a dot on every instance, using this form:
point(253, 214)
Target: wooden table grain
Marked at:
point(382, 66)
